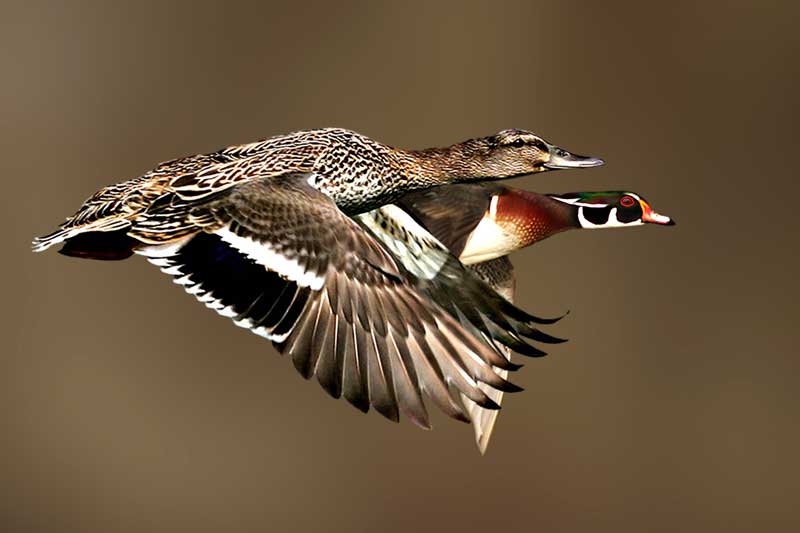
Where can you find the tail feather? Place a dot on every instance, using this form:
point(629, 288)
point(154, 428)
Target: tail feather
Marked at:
point(68, 232)
point(107, 242)
point(102, 245)
point(40, 244)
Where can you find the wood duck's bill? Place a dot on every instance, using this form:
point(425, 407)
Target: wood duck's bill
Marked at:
point(651, 217)
point(562, 159)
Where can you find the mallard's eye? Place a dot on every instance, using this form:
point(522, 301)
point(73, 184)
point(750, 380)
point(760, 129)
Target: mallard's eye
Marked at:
point(627, 201)
point(539, 145)
point(518, 143)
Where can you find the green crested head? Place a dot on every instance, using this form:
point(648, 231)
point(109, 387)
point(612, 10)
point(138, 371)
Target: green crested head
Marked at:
point(612, 209)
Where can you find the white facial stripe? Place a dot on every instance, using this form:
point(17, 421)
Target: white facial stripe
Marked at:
point(573, 201)
point(576, 201)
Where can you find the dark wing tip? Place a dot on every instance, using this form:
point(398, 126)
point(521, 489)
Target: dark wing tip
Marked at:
point(100, 245)
point(538, 335)
point(422, 423)
point(507, 386)
point(488, 403)
point(545, 321)
point(528, 350)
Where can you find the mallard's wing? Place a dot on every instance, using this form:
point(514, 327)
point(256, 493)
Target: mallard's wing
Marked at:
point(445, 280)
point(280, 259)
point(467, 293)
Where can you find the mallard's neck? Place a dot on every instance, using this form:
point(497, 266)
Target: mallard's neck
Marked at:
point(453, 164)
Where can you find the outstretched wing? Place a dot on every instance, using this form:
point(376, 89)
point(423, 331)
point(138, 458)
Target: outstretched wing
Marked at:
point(472, 294)
point(279, 258)
point(444, 279)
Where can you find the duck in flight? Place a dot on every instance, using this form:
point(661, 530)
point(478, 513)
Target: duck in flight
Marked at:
point(482, 223)
point(264, 233)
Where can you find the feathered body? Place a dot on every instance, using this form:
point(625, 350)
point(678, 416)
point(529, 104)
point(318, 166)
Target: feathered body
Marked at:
point(264, 233)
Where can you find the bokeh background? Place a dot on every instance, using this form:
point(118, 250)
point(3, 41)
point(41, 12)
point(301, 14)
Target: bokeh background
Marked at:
point(127, 406)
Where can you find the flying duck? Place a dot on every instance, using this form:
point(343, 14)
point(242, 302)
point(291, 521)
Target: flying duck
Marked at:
point(482, 223)
point(263, 234)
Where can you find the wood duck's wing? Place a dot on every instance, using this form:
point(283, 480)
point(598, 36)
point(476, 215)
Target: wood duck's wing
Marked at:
point(450, 212)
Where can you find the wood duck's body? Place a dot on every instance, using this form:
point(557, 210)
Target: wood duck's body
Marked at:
point(264, 234)
point(482, 223)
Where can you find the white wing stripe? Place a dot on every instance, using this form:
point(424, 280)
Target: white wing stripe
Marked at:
point(263, 254)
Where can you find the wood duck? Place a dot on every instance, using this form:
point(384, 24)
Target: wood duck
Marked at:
point(263, 233)
point(482, 223)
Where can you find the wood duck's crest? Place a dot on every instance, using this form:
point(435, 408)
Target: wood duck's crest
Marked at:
point(612, 209)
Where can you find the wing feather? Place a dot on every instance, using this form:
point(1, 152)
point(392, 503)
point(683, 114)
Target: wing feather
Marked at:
point(278, 257)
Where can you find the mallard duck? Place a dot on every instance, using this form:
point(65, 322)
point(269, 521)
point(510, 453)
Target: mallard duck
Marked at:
point(482, 223)
point(262, 233)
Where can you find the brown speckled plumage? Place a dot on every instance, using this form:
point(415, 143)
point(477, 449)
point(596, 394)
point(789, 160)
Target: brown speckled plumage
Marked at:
point(263, 233)
point(358, 173)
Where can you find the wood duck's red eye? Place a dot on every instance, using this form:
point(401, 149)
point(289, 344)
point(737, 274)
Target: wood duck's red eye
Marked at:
point(627, 201)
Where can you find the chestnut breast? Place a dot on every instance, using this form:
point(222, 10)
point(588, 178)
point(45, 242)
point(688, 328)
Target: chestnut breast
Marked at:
point(515, 219)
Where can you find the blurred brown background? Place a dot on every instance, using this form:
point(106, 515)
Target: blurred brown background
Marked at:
point(127, 406)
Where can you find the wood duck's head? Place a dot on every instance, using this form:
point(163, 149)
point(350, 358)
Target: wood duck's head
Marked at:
point(611, 209)
point(515, 218)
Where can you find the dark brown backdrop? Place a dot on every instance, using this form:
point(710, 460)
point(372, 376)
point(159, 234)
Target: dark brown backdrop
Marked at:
point(126, 406)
